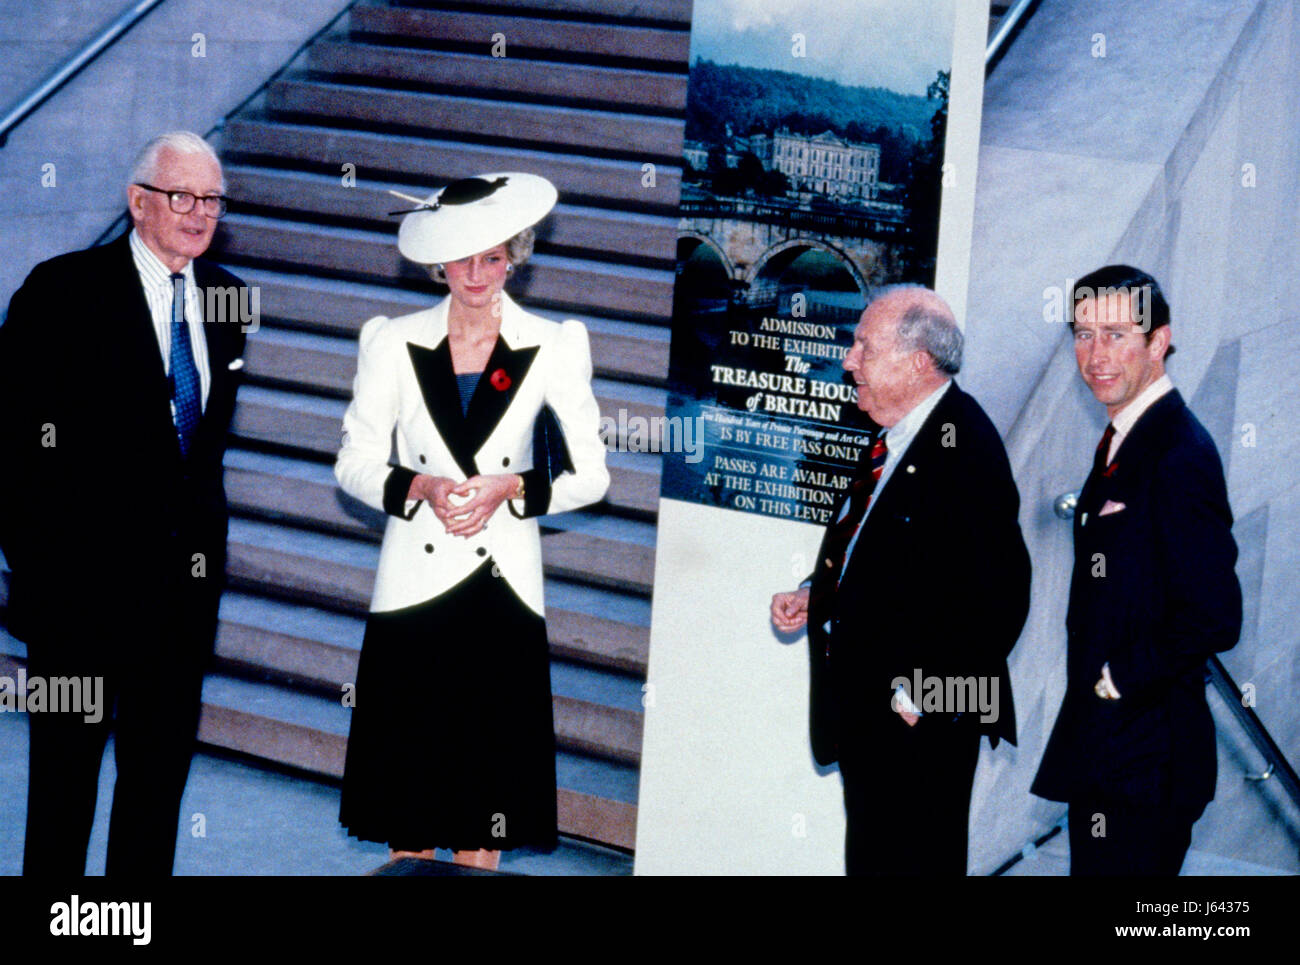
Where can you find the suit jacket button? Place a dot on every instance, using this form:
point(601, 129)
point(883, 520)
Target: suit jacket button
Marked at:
point(481, 551)
point(505, 461)
point(422, 459)
point(428, 547)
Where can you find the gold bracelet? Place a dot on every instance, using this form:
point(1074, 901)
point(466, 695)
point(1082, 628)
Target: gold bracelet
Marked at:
point(519, 492)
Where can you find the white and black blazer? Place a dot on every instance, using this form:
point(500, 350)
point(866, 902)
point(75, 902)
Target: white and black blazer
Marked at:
point(405, 381)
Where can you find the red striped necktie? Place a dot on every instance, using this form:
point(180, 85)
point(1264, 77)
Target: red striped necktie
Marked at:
point(860, 491)
point(1101, 459)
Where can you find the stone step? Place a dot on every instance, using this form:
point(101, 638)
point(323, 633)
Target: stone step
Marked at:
point(619, 349)
point(597, 744)
point(643, 137)
point(346, 587)
point(581, 669)
point(581, 726)
point(314, 664)
point(301, 362)
point(420, 160)
point(676, 12)
point(573, 39)
point(573, 556)
point(581, 231)
point(481, 73)
point(552, 280)
point(318, 752)
point(283, 424)
point(279, 421)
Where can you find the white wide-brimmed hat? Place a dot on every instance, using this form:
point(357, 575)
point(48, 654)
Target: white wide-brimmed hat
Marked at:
point(473, 215)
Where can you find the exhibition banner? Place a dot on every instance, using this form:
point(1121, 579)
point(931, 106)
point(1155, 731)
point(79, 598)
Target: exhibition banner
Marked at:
point(813, 176)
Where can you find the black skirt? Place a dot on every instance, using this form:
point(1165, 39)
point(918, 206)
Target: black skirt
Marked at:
point(452, 743)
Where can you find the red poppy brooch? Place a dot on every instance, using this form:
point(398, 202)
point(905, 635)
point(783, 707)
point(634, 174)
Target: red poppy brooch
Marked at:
point(499, 380)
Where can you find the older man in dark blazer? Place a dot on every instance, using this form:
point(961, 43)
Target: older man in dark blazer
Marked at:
point(920, 591)
point(118, 371)
point(1153, 595)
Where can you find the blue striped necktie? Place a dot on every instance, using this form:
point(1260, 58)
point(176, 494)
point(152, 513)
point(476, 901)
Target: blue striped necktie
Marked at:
point(185, 375)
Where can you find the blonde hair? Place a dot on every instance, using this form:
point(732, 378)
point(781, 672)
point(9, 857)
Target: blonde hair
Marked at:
point(519, 248)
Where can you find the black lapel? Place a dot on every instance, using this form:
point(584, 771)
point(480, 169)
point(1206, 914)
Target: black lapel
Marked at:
point(926, 439)
point(1132, 452)
point(1151, 422)
point(141, 351)
point(437, 378)
point(505, 369)
point(496, 389)
point(214, 330)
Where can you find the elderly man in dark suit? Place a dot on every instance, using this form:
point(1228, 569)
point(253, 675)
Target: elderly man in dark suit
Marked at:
point(920, 591)
point(118, 371)
point(1153, 595)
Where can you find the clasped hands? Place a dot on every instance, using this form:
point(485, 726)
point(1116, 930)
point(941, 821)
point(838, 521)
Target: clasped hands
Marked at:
point(464, 508)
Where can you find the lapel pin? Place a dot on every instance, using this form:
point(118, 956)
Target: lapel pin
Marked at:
point(499, 380)
point(911, 468)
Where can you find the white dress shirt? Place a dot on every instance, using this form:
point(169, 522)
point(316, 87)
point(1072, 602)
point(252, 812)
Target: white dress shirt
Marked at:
point(1127, 417)
point(157, 283)
point(1124, 421)
point(897, 438)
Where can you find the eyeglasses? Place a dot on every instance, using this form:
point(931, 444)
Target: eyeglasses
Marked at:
point(182, 202)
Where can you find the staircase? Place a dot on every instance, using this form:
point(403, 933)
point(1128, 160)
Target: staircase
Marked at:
point(410, 96)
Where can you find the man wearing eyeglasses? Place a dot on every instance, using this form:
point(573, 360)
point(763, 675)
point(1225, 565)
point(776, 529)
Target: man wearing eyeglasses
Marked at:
point(1154, 594)
point(118, 372)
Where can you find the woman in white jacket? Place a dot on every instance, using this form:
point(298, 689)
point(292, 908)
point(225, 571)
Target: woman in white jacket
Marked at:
point(452, 741)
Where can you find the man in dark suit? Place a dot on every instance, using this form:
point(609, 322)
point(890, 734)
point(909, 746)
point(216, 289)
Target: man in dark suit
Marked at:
point(1153, 595)
point(920, 591)
point(118, 371)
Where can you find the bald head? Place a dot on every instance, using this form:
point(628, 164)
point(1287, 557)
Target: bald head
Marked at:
point(906, 345)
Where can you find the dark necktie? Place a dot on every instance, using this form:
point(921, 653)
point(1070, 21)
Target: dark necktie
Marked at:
point(186, 395)
point(1101, 459)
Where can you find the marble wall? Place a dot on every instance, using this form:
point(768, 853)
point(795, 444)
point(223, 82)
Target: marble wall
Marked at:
point(151, 80)
point(1162, 134)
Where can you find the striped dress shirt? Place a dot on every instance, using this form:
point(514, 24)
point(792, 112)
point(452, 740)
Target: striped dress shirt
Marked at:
point(157, 283)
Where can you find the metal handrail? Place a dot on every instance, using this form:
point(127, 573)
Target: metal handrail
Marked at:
point(120, 223)
point(1008, 26)
point(1278, 766)
point(1064, 507)
point(46, 89)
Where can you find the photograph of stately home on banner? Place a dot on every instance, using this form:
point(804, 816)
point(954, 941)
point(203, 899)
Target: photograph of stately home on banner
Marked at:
point(812, 175)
